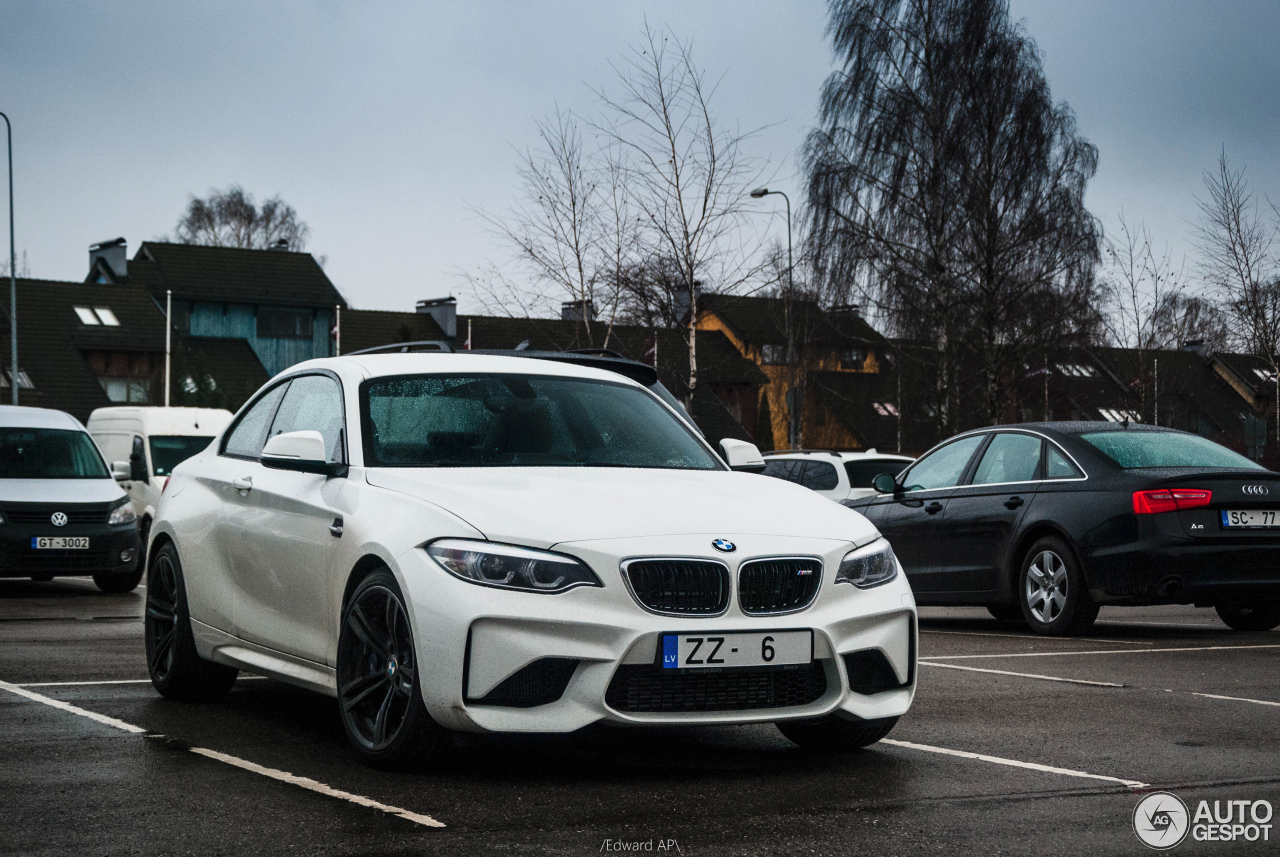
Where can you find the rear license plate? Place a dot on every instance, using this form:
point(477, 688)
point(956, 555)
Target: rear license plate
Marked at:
point(751, 649)
point(1257, 518)
point(59, 542)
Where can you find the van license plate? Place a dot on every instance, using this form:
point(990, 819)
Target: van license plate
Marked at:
point(704, 649)
point(1251, 518)
point(59, 542)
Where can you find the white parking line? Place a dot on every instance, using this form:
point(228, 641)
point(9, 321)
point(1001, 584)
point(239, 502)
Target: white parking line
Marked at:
point(282, 776)
point(1022, 675)
point(1101, 652)
point(1032, 637)
point(997, 760)
point(1237, 699)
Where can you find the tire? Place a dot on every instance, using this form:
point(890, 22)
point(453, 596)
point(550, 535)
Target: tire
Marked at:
point(1006, 612)
point(835, 734)
point(119, 582)
point(1263, 617)
point(1052, 593)
point(177, 670)
point(379, 691)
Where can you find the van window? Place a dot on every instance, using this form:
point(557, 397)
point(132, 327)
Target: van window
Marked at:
point(168, 451)
point(35, 453)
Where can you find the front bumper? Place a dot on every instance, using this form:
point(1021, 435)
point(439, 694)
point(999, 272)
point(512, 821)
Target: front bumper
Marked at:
point(103, 556)
point(472, 638)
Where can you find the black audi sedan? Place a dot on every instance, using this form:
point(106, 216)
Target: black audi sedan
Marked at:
point(1046, 522)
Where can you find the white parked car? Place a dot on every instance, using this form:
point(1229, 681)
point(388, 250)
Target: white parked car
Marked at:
point(839, 476)
point(500, 544)
point(148, 443)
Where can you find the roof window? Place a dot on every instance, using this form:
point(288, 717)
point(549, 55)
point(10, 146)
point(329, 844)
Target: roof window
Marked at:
point(96, 316)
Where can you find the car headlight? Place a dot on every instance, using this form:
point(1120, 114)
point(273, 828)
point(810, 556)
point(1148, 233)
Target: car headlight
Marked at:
point(869, 565)
point(122, 514)
point(511, 567)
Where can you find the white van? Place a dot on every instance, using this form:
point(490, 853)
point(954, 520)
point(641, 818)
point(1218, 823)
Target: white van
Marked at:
point(61, 511)
point(151, 442)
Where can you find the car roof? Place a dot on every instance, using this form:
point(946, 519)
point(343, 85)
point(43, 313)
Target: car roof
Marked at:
point(19, 416)
point(842, 456)
point(1061, 429)
point(461, 363)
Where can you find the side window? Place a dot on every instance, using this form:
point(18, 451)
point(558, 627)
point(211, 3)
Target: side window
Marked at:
point(1010, 457)
point(313, 403)
point(820, 476)
point(250, 432)
point(944, 467)
point(1058, 466)
point(777, 468)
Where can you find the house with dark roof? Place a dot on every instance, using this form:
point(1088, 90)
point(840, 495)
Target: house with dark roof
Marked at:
point(828, 345)
point(280, 302)
point(88, 345)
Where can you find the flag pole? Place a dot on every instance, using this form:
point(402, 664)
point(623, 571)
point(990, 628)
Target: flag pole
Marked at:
point(168, 340)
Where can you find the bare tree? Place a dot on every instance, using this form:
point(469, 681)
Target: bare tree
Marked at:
point(1238, 246)
point(688, 176)
point(231, 218)
point(946, 188)
point(571, 232)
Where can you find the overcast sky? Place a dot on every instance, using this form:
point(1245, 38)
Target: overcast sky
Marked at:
point(383, 124)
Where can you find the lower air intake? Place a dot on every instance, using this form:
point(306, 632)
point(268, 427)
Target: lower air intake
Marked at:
point(650, 688)
point(540, 683)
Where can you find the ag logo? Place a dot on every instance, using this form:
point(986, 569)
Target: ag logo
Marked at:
point(724, 546)
point(1161, 820)
point(58, 519)
point(1256, 490)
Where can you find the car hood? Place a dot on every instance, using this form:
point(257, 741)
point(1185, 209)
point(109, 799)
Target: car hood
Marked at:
point(59, 490)
point(543, 506)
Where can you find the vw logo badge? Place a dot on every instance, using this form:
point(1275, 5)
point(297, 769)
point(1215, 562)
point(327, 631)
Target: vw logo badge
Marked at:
point(58, 519)
point(724, 546)
point(1256, 490)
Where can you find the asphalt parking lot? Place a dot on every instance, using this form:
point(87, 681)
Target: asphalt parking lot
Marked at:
point(1015, 745)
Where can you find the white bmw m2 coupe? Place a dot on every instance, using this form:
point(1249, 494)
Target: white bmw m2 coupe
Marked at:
point(501, 544)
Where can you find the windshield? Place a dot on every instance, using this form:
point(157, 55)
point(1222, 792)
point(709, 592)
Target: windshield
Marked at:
point(863, 472)
point(32, 453)
point(522, 421)
point(170, 450)
point(1133, 449)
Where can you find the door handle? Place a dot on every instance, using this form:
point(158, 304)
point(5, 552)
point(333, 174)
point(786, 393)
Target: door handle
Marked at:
point(242, 483)
point(335, 529)
point(933, 508)
point(1013, 502)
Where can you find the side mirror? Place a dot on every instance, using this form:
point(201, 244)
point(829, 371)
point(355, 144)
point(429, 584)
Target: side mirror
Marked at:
point(303, 451)
point(120, 471)
point(740, 455)
point(138, 469)
point(884, 483)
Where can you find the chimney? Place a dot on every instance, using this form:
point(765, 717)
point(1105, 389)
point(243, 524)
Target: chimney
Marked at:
point(573, 311)
point(444, 311)
point(114, 253)
point(1195, 346)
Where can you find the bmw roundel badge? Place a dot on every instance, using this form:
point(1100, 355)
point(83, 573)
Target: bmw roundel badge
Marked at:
point(724, 546)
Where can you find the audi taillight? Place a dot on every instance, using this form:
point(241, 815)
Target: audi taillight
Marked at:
point(1169, 500)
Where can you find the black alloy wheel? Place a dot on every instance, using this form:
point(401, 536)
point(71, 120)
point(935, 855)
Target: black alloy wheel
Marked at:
point(176, 668)
point(378, 696)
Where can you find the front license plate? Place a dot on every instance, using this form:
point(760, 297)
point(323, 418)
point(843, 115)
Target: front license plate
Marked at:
point(59, 542)
point(1251, 518)
point(752, 649)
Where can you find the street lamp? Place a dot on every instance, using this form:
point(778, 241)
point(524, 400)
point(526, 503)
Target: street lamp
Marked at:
point(13, 276)
point(793, 394)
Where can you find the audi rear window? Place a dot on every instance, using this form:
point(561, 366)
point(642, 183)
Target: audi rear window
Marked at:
point(1136, 449)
